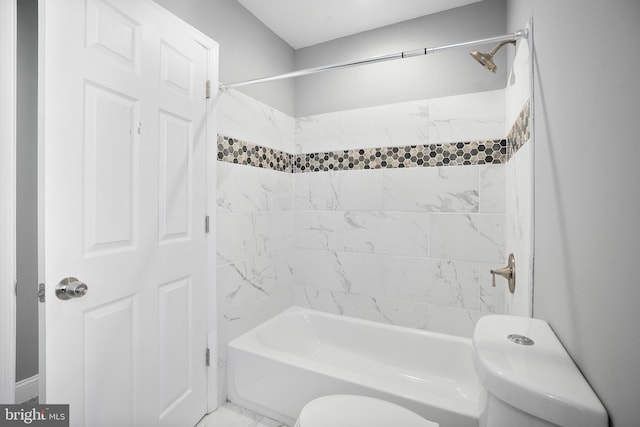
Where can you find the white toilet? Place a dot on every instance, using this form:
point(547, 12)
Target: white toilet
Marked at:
point(527, 376)
point(342, 410)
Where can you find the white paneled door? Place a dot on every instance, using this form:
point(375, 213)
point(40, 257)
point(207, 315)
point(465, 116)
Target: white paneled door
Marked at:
point(123, 196)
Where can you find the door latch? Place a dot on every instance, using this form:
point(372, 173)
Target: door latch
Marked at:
point(41, 292)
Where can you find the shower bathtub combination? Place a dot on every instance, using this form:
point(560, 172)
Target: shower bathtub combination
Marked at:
point(301, 354)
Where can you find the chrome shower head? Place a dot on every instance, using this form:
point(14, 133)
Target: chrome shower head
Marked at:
point(486, 59)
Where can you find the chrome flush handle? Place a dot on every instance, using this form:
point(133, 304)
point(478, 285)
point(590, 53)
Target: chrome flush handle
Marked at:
point(508, 272)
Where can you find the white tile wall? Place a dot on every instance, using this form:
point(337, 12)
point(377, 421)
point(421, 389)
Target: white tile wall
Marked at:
point(411, 247)
point(245, 282)
point(319, 230)
point(468, 237)
point(452, 284)
point(468, 117)
point(519, 230)
point(382, 126)
point(249, 189)
point(387, 125)
point(251, 234)
point(386, 232)
point(432, 189)
point(320, 133)
point(394, 312)
point(518, 89)
point(330, 301)
point(519, 189)
point(475, 116)
point(492, 188)
point(339, 190)
point(247, 119)
point(254, 225)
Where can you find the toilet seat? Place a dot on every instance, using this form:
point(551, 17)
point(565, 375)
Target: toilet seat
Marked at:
point(357, 411)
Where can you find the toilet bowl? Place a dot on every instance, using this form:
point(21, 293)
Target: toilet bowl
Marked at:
point(343, 410)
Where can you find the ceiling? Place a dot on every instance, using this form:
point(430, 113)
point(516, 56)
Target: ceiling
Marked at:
point(303, 23)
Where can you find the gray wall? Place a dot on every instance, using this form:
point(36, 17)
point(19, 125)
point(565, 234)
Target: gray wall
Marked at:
point(587, 200)
point(248, 49)
point(442, 74)
point(26, 209)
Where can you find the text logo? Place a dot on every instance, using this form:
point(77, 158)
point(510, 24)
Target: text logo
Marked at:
point(34, 415)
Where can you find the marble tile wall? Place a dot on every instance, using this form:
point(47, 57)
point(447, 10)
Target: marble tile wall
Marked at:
point(406, 246)
point(253, 226)
point(519, 178)
point(246, 119)
point(469, 117)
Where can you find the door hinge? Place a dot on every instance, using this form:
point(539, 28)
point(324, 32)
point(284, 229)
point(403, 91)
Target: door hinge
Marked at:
point(41, 292)
point(208, 89)
point(206, 224)
point(207, 357)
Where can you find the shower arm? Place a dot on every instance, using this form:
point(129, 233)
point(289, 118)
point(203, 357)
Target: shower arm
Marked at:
point(520, 34)
point(493, 51)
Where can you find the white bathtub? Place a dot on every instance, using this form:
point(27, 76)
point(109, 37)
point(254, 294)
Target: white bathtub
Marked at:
point(299, 355)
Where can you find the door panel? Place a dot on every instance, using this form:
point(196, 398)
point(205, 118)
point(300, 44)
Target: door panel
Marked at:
point(124, 165)
point(111, 199)
point(113, 33)
point(176, 70)
point(176, 381)
point(108, 374)
point(175, 177)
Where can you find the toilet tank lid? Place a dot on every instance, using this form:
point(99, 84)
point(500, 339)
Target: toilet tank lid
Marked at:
point(540, 379)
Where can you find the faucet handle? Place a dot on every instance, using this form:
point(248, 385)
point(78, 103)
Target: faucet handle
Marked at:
point(508, 272)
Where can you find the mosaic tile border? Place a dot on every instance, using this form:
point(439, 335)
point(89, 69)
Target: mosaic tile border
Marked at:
point(497, 151)
point(519, 133)
point(429, 155)
point(233, 150)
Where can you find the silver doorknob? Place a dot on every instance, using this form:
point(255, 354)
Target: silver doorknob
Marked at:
point(70, 287)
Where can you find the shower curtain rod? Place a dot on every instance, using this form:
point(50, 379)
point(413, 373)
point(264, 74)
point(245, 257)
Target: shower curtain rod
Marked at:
point(523, 33)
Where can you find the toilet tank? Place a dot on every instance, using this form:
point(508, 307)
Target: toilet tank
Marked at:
point(529, 379)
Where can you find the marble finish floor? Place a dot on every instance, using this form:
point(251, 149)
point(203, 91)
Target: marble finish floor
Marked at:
point(231, 415)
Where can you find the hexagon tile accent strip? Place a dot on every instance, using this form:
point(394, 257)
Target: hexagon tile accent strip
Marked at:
point(497, 151)
point(519, 133)
point(451, 154)
point(233, 150)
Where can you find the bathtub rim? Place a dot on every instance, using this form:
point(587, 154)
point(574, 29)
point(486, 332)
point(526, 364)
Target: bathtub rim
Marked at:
point(298, 309)
point(247, 343)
